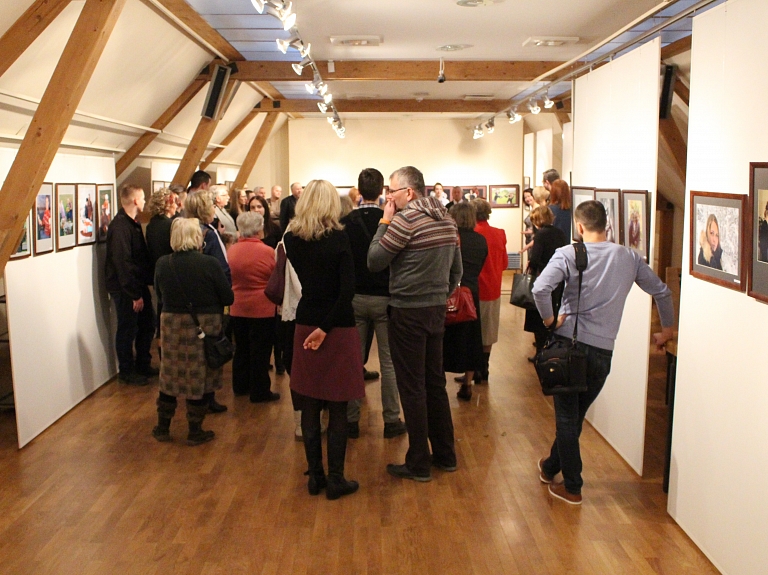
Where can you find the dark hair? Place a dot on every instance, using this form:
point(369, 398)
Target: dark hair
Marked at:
point(591, 215)
point(482, 209)
point(198, 179)
point(411, 177)
point(464, 214)
point(270, 227)
point(551, 175)
point(560, 194)
point(370, 183)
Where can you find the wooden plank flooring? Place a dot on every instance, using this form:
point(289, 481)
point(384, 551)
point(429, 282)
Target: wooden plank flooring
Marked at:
point(97, 494)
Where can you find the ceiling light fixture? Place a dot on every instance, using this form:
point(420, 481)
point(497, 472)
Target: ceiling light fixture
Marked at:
point(547, 102)
point(322, 107)
point(478, 133)
point(491, 125)
point(454, 47)
point(282, 11)
point(550, 41)
point(513, 116)
point(477, 3)
point(533, 106)
point(298, 67)
point(259, 5)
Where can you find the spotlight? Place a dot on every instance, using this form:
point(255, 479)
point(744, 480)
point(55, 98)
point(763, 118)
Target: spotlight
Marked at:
point(478, 133)
point(533, 106)
point(322, 107)
point(259, 5)
point(328, 98)
point(441, 73)
point(283, 12)
point(283, 45)
point(304, 50)
point(513, 116)
point(547, 102)
point(299, 67)
point(491, 125)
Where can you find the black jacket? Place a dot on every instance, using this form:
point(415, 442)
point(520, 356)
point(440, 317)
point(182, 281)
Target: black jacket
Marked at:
point(361, 225)
point(546, 240)
point(128, 268)
point(474, 250)
point(159, 238)
point(204, 283)
point(287, 211)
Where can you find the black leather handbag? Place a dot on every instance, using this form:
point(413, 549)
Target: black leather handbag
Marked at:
point(218, 349)
point(561, 364)
point(522, 296)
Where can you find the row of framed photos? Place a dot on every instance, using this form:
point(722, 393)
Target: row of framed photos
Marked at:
point(628, 212)
point(499, 196)
point(65, 216)
point(728, 248)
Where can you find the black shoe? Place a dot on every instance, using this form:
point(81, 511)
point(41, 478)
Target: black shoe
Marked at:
point(444, 467)
point(370, 375)
point(459, 379)
point(353, 429)
point(215, 407)
point(403, 472)
point(465, 393)
point(271, 397)
point(133, 378)
point(316, 484)
point(394, 429)
point(149, 371)
point(200, 436)
point(337, 487)
point(161, 433)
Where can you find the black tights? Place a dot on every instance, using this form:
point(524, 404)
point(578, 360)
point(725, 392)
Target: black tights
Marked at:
point(310, 414)
point(172, 399)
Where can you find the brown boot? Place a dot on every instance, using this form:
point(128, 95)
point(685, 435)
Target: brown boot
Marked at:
point(165, 411)
point(195, 417)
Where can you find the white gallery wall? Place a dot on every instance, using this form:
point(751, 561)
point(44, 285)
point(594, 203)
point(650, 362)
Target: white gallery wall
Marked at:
point(719, 465)
point(59, 317)
point(442, 149)
point(615, 130)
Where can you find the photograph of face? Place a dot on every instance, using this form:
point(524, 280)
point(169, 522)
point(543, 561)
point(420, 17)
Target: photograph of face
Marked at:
point(86, 222)
point(636, 233)
point(611, 226)
point(717, 236)
point(65, 216)
point(105, 209)
point(44, 225)
point(762, 226)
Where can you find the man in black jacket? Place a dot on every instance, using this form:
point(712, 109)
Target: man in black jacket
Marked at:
point(371, 301)
point(288, 205)
point(128, 272)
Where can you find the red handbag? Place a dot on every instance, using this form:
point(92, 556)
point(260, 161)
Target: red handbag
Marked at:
point(460, 306)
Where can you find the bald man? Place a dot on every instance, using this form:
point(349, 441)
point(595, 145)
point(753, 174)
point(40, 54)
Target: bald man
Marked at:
point(274, 202)
point(288, 205)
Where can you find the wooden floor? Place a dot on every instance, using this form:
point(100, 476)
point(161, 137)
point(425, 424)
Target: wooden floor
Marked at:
point(97, 494)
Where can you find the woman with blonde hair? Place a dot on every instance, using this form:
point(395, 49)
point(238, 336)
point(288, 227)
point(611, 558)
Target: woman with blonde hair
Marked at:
point(327, 362)
point(187, 278)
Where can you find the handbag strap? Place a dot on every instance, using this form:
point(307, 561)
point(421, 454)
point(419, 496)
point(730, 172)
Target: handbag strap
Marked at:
point(190, 308)
point(581, 265)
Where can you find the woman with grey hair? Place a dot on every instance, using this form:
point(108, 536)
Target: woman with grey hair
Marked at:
point(186, 277)
point(253, 315)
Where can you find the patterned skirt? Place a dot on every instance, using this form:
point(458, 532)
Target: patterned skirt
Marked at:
point(183, 370)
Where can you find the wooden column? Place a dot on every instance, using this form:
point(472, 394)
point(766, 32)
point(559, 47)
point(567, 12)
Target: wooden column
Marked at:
point(230, 138)
point(50, 122)
point(166, 118)
point(677, 146)
point(258, 145)
point(199, 143)
point(26, 29)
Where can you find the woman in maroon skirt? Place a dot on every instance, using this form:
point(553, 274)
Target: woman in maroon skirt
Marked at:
point(327, 365)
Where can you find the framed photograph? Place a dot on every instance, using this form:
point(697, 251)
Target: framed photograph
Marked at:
point(717, 239)
point(44, 224)
point(636, 221)
point(611, 200)
point(66, 237)
point(158, 185)
point(579, 194)
point(507, 196)
point(757, 231)
point(105, 197)
point(526, 182)
point(24, 249)
point(86, 214)
point(473, 192)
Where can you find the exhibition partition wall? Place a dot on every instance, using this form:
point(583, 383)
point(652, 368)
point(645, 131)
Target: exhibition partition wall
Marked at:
point(59, 316)
point(719, 465)
point(616, 132)
point(442, 149)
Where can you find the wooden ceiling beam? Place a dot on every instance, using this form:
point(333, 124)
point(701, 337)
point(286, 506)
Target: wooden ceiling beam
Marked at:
point(397, 70)
point(676, 48)
point(672, 136)
point(186, 14)
point(401, 106)
point(230, 138)
point(200, 141)
point(682, 90)
point(165, 118)
point(26, 29)
point(253, 154)
point(52, 117)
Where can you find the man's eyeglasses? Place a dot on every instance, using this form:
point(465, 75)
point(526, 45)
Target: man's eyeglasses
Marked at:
point(398, 190)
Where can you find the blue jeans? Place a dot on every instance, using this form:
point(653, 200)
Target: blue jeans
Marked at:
point(373, 309)
point(133, 329)
point(570, 410)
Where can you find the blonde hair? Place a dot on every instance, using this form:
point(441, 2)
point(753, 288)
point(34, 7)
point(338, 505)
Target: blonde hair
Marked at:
point(542, 216)
point(541, 195)
point(317, 211)
point(186, 235)
point(199, 205)
point(158, 201)
point(347, 205)
point(127, 192)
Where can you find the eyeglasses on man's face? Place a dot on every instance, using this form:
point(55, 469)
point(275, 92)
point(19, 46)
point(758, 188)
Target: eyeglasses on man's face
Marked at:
point(398, 190)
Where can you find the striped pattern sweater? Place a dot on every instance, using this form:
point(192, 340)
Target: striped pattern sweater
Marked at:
point(423, 224)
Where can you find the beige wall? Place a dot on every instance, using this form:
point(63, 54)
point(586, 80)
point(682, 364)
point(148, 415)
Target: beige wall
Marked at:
point(442, 149)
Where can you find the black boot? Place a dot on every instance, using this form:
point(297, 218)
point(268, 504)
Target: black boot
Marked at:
point(337, 451)
point(484, 370)
point(213, 405)
point(195, 417)
point(313, 447)
point(165, 411)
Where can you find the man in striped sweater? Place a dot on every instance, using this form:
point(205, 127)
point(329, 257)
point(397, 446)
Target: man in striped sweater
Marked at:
point(419, 242)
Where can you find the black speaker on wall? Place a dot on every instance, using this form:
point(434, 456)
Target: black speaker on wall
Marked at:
point(667, 92)
point(216, 92)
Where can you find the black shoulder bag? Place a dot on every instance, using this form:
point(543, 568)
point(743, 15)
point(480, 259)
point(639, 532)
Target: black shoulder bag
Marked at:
point(217, 348)
point(561, 365)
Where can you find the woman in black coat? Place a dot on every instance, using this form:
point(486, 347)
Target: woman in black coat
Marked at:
point(463, 342)
point(546, 240)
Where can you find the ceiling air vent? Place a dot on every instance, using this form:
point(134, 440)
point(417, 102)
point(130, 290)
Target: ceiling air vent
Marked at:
point(356, 40)
point(479, 97)
point(548, 41)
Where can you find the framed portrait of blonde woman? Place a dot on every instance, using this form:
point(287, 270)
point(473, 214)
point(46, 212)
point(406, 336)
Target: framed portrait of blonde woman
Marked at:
point(636, 222)
point(757, 232)
point(717, 239)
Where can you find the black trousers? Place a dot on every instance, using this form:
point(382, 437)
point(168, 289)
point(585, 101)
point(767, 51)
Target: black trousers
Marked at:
point(253, 346)
point(133, 329)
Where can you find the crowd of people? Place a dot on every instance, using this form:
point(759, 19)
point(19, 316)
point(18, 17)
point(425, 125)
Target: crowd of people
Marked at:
point(382, 260)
